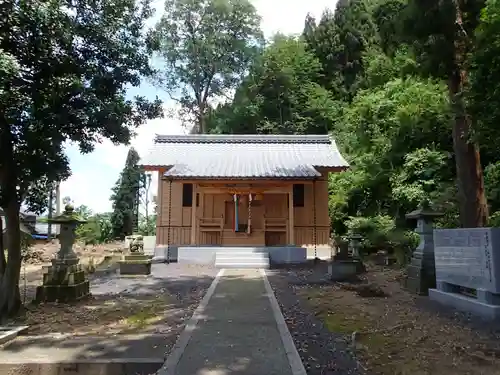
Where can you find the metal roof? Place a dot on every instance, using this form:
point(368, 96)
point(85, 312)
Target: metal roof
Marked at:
point(244, 156)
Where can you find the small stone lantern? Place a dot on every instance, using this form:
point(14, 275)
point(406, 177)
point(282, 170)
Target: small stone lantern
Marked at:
point(65, 280)
point(355, 244)
point(422, 269)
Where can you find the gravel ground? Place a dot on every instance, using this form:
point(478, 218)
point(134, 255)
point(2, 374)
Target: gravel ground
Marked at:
point(159, 303)
point(322, 352)
point(449, 341)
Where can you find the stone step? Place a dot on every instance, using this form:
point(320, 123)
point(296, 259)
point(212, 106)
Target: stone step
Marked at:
point(245, 250)
point(241, 259)
point(241, 255)
point(241, 265)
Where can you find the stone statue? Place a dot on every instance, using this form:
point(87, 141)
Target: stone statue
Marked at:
point(136, 244)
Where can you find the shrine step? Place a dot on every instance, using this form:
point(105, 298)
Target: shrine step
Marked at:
point(241, 259)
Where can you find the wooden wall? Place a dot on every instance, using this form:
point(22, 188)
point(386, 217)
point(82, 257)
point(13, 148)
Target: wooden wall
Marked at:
point(274, 205)
point(304, 216)
point(180, 218)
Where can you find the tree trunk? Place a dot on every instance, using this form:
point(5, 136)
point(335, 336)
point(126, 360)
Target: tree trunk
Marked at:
point(473, 205)
point(10, 297)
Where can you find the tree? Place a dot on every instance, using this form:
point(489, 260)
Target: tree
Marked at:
point(126, 197)
point(339, 41)
point(442, 33)
point(145, 186)
point(64, 70)
point(483, 94)
point(280, 95)
point(206, 46)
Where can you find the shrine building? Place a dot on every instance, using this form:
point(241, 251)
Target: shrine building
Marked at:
point(259, 191)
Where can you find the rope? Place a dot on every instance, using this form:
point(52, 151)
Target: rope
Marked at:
point(169, 218)
point(314, 218)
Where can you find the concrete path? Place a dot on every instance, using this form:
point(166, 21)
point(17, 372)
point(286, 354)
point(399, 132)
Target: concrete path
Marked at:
point(237, 329)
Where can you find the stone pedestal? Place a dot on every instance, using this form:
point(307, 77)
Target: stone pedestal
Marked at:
point(342, 270)
point(63, 283)
point(135, 264)
point(65, 280)
point(422, 271)
point(347, 265)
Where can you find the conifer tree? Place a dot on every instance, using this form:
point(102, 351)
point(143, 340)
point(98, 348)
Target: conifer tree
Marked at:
point(125, 197)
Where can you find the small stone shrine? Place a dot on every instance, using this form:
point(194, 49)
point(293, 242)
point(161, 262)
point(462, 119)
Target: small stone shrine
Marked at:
point(65, 280)
point(421, 270)
point(468, 270)
point(136, 262)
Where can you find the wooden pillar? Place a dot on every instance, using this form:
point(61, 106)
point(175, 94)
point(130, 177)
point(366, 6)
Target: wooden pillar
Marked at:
point(193, 215)
point(201, 210)
point(291, 224)
point(159, 206)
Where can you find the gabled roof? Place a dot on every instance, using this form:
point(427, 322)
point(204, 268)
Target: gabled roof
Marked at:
point(244, 156)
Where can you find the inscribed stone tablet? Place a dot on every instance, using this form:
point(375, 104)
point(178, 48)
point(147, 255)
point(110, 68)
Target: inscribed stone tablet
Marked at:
point(464, 257)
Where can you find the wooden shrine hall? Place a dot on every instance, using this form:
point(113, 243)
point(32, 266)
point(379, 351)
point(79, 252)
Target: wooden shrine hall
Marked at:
point(243, 190)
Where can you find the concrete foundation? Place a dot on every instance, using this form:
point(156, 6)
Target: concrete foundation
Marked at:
point(466, 304)
point(207, 254)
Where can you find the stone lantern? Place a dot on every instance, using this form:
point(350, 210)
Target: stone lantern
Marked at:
point(355, 244)
point(422, 270)
point(65, 280)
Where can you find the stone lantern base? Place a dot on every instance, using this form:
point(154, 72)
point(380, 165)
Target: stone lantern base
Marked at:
point(135, 264)
point(64, 281)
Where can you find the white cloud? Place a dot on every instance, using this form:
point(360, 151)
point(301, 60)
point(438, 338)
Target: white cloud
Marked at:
point(95, 174)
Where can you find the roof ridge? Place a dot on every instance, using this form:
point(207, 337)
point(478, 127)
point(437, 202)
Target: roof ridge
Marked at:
point(243, 138)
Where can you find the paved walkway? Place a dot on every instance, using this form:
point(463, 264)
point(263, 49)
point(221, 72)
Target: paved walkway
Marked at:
point(237, 329)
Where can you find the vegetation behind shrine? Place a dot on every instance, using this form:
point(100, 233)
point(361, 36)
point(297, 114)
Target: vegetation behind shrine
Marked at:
point(360, 75)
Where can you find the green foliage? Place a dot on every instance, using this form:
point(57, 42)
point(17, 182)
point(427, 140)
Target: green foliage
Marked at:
point(279, 96)
point(97, 230)
point(339, 41)
point(64, 70)
point(206, 47)
point(126, 197)
point(483, 93)
point(492, 185)
point(147, 225)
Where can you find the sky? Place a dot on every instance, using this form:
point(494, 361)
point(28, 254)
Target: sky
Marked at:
point(94, 174)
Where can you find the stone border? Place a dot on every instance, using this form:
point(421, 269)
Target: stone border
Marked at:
point(10, 333)
point(294, 360)
point(173, 359)
point(83, 361)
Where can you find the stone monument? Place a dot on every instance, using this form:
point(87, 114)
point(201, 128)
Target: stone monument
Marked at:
point(65, 280)
point(421, 270)
point(468, 258)
point(136, 262)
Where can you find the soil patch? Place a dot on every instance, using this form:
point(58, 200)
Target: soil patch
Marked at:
point(393, 332)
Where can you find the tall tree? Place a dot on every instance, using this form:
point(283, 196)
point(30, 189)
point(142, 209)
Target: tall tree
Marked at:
point(206, 47)
point(280, 95)
point(483, 94)
point(64, 70)
point(339, 41)
point(442, 33)
point(125, 197)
